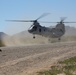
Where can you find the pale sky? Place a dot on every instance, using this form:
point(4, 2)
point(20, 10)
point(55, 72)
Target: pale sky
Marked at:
point(32, 9)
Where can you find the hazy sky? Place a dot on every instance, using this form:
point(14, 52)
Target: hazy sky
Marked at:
point(32, 9)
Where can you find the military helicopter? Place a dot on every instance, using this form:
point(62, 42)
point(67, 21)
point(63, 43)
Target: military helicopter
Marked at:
point(36, 29)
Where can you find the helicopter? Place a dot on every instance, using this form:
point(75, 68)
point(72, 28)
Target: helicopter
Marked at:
point(36, 29)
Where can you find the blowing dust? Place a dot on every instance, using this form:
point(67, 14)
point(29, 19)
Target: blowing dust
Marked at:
point(17, 40)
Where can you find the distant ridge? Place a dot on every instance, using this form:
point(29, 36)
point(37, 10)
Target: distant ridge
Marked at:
point(2, 35)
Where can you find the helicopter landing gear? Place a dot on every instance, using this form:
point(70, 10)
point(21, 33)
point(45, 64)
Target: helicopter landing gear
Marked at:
point(0, 50)
point(34, 37)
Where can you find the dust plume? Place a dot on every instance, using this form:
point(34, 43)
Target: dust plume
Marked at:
point(23, 38)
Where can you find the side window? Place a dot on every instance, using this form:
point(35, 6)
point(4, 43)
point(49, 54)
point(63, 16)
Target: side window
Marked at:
point(39, 29)
point(44, 29)
point(35, 28)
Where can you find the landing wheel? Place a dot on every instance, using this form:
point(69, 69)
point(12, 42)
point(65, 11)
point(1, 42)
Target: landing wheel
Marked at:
point(34, 37)
point(0, 50)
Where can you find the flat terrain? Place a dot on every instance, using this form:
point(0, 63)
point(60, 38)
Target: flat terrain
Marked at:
point(26, 60)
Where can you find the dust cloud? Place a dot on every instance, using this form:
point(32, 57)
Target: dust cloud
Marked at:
point(18, 40)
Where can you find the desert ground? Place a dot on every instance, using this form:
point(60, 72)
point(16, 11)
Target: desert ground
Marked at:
point(29, 59)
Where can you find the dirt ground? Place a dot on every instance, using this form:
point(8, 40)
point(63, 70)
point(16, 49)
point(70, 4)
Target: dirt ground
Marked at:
point(27, 60)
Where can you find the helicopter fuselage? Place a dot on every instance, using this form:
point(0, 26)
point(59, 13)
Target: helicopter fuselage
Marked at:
point(46, 31)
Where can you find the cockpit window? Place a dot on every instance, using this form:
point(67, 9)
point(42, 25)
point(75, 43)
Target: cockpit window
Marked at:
point(35, 28)
point(31, 27)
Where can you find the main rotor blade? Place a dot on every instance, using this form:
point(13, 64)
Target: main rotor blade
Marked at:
point(55, 22)
point(69, 22)
point(20, 20)
point(29, 20)
point(47, 22)
point(45, 14)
